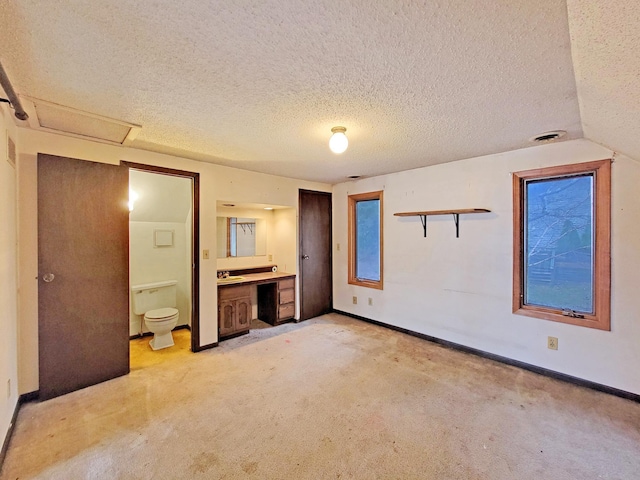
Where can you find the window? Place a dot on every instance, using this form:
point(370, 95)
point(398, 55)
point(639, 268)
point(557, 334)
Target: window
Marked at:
point(365, 239)
point(562, 241)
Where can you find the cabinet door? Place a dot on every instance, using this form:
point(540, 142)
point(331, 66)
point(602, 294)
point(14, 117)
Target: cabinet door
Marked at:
point(243, 314)
point(226, 316)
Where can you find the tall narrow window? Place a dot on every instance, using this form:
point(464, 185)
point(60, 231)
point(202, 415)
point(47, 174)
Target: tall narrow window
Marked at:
point(365, 239)
point(562, 243)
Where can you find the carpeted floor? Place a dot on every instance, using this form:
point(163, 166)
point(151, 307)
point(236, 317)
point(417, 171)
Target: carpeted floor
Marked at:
point(332, 398)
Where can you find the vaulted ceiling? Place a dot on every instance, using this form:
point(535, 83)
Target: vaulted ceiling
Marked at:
point(259, 84)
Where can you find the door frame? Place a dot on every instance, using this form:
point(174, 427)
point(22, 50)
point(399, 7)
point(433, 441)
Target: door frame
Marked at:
point(302, 191)
point(195, 242)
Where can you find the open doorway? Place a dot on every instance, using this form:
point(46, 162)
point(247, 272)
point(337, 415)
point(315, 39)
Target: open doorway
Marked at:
point(163, 263)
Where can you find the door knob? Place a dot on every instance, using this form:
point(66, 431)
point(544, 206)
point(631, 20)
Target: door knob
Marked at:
point(305, 257)
point(48, 277)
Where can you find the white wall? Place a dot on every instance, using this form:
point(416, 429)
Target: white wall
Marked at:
point(8, 278)
point(284, 244)
point(459, 289)
point(216, 183)
point(149, 264)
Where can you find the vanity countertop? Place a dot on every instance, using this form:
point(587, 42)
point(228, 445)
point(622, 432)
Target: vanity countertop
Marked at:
point(256, 278)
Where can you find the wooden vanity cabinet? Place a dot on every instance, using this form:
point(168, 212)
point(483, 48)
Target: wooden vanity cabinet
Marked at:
point(286, 299)
point(277, 301)
point(234, 310)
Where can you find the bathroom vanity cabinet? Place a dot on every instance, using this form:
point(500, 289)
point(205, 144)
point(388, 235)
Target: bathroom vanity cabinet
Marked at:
point(277, 301)
point(234, 310)
point(275, 293)
point(286, 299)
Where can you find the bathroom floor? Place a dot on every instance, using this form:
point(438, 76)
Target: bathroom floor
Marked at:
point(142, 356)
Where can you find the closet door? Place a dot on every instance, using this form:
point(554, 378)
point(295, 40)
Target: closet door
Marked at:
point(315, 254)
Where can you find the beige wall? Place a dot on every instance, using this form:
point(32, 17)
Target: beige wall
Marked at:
point(459, 289)
point(8, 278)
point(216, 183)
point(149, 264)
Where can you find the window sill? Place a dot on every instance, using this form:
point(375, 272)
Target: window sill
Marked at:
point(589, 321)
point(366, 283)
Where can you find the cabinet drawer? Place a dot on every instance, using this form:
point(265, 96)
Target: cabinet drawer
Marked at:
point(286, 283)
point(287, 296)
point(226, 293)
point(286, 311)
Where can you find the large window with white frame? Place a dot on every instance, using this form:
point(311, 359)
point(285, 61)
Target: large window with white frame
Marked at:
point(365, 240)
point(562, 243)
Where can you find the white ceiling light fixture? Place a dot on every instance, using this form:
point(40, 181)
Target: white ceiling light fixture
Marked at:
point(338, 142)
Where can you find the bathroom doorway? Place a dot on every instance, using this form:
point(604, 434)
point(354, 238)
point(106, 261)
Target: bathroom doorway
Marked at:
point(163, 247)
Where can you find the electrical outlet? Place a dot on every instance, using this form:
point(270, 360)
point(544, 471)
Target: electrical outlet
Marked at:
point(370, 301)
point(205, 254)
point(337, 246)
point(270, 258)
point(355, 300)
point(552, 343)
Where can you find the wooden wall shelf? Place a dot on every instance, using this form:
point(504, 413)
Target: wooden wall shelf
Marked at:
point(456, 216)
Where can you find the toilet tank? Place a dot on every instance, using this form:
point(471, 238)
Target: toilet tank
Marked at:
point(150, 296)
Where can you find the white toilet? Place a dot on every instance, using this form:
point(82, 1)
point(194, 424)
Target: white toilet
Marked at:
point(157, 301)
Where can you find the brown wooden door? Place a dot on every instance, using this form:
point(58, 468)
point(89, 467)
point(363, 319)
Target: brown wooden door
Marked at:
point(315, 254)
point(83, 280)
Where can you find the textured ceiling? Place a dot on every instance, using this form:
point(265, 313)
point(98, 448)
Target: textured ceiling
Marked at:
point(606, 54)
point(259, 84)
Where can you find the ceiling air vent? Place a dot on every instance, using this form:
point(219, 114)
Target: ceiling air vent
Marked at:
point(56, 118)
point(548, 136)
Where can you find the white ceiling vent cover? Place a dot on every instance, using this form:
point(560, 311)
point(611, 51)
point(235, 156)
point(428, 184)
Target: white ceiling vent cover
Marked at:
point(69, 121)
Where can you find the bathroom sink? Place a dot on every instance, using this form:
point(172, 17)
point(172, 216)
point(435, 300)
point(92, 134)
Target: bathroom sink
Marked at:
point(230, 279)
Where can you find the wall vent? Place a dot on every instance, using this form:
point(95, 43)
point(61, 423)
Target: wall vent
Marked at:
point(548, 136)
point(56, 118)
point(11, 151)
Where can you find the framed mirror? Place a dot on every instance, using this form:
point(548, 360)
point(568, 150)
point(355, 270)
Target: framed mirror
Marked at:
point(241, 237)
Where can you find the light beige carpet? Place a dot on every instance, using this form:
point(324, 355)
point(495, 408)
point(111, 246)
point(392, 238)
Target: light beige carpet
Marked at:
point(328, 398)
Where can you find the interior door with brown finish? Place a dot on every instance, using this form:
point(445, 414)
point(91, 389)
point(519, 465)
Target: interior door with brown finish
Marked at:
point(316, 284)
point(83, 281)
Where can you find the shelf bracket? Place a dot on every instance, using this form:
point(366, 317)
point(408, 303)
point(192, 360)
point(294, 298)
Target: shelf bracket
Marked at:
point(456, 219)
point(423, 219)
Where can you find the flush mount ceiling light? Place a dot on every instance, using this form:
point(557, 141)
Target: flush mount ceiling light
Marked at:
point(548, 136)
point(338, 142)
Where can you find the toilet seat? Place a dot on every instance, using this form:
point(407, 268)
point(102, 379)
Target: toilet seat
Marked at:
point(160, 314)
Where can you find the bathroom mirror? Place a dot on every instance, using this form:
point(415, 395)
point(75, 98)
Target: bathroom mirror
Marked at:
point(241, 237)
